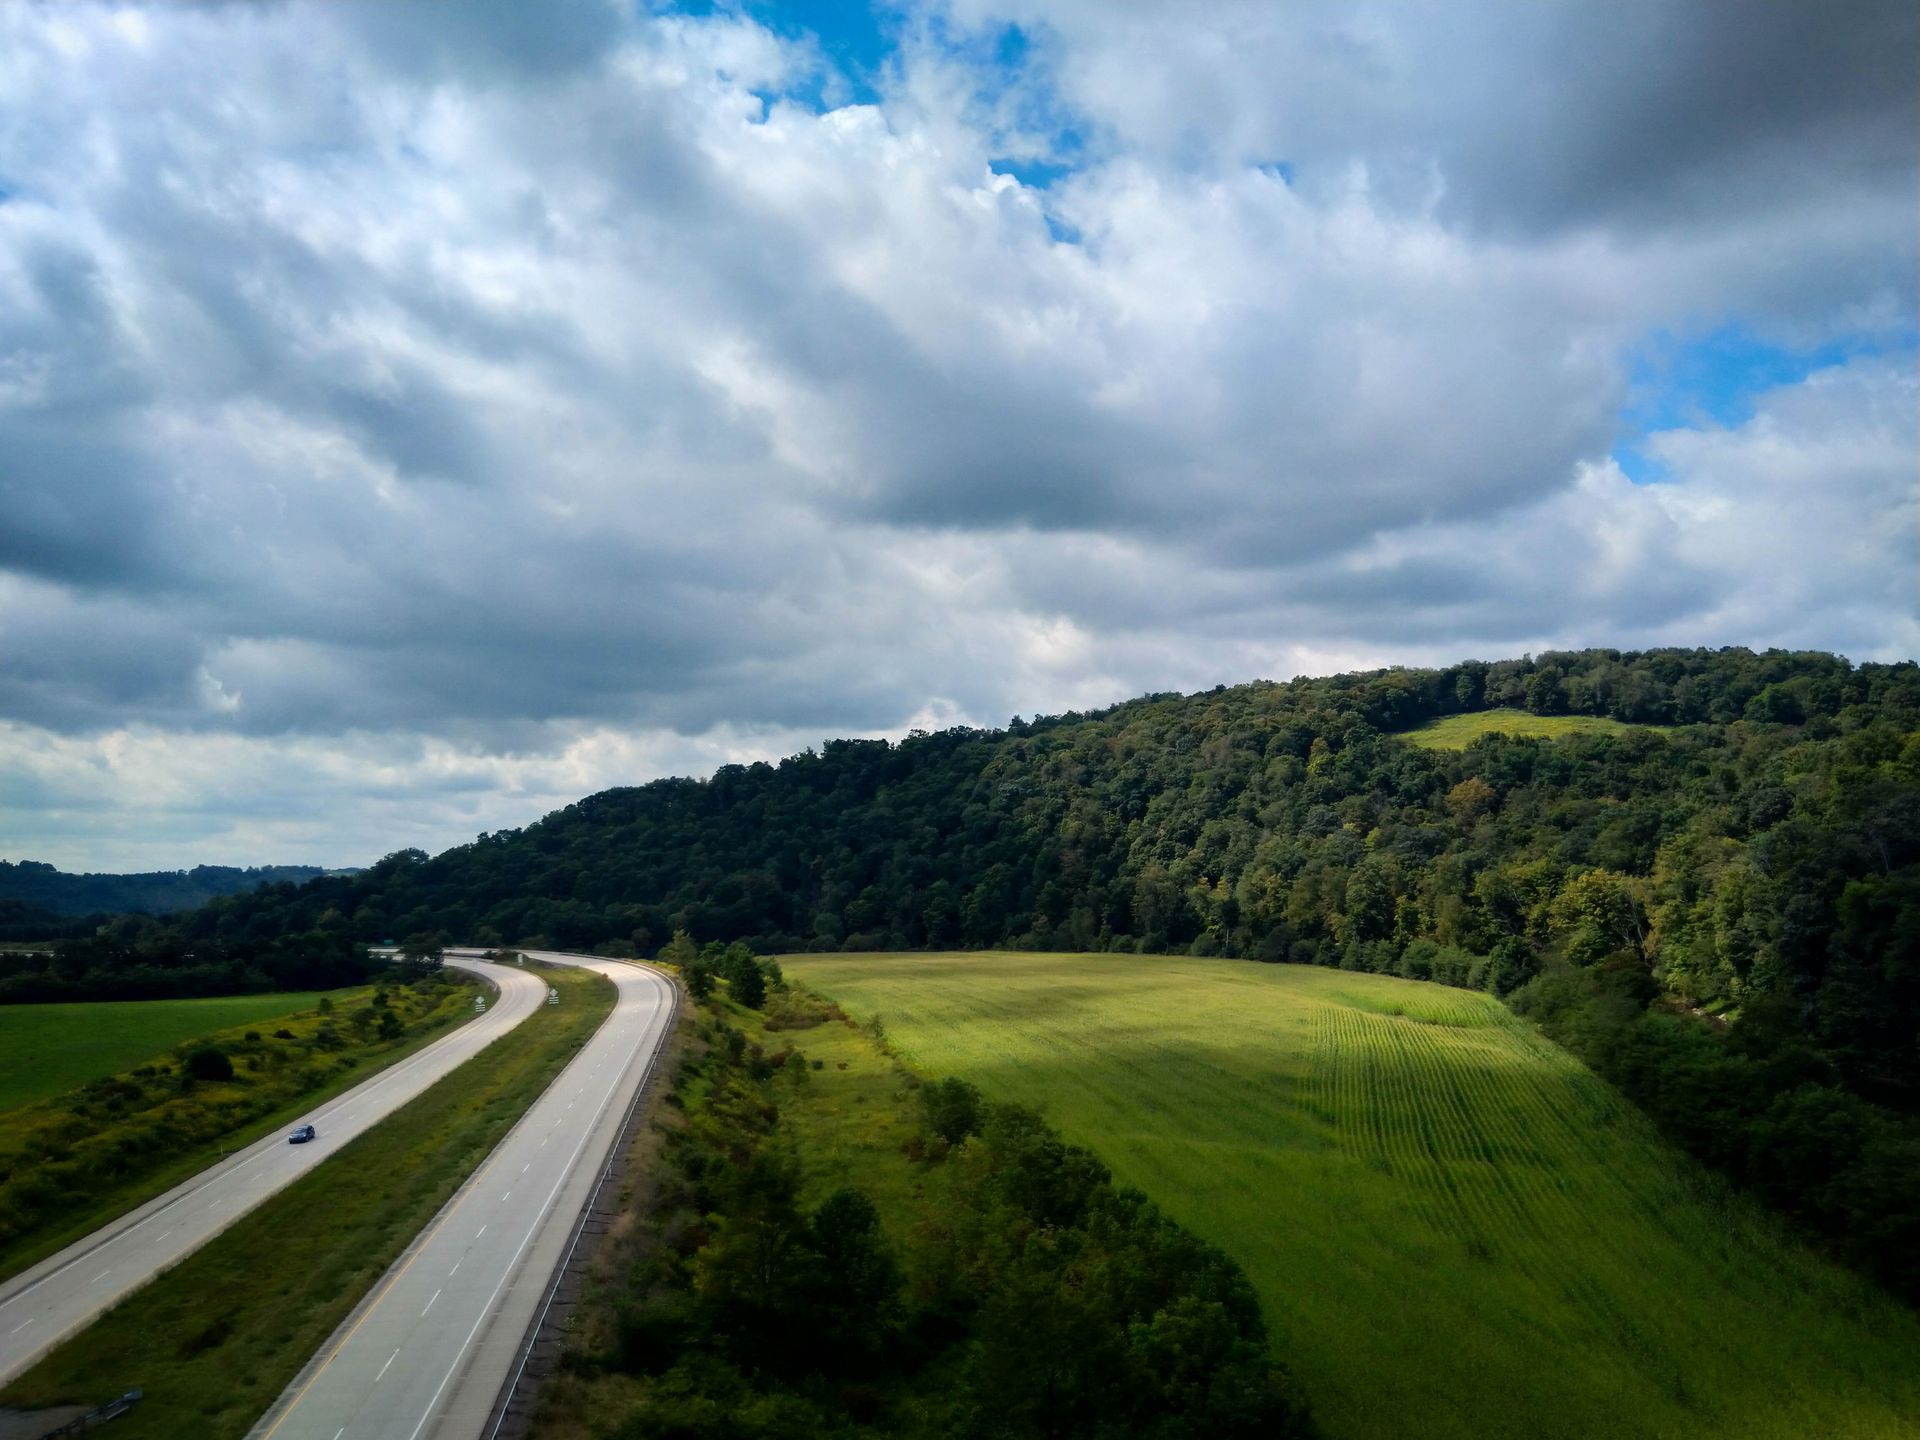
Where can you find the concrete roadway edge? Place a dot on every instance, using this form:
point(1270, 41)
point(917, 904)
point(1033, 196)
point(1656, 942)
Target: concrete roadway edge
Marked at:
point(374, 1292)
point(511, 1417)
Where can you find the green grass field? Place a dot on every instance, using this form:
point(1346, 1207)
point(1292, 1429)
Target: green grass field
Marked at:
point(1456, 732)
point(47, 1049)
point(1456, 1229)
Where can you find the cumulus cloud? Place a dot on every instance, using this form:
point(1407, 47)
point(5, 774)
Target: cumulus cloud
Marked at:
point(439, 405)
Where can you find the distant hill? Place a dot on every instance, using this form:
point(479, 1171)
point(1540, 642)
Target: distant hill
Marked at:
point(54, 892)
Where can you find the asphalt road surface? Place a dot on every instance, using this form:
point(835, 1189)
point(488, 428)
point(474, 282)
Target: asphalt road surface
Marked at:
point(428, 1351)
point(45, 1304)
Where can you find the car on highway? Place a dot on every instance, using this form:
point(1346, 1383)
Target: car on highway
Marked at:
point(302, 1135)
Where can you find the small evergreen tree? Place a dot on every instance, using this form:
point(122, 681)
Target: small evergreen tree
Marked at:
point(744, 980)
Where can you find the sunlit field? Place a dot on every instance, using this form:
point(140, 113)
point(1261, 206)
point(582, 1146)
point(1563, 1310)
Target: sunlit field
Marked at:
point(1456, 732)
point(1455, 1228)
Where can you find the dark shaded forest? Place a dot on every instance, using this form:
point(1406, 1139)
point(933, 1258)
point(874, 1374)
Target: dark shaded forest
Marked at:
point(1723, 918)
point(138, 958)
point(31, 890)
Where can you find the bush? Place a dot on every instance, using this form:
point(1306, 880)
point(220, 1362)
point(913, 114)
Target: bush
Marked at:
point(208, 1063)
point(953, 1109)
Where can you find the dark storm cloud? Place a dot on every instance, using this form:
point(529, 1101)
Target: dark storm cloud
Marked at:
point(501, 40)
point(1537, 115)
point(88, 665)
point(1657, 113)
point(80, 509)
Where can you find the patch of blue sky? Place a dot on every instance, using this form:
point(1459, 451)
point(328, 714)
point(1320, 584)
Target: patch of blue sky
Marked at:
point(1034, 174)
point(1013, 71)
point(1712, 380)
point(855, 39)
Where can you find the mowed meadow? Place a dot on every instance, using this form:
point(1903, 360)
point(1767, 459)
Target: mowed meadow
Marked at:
point(1455, 1228)
point(1457, 732)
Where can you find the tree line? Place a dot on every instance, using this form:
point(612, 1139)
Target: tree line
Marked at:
point(38, 887)
point(138, 958)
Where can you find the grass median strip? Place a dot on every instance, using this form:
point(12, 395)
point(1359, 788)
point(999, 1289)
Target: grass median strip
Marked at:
point(215, 1340)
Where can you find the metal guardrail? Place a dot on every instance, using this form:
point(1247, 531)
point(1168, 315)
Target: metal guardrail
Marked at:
point(112, 1410)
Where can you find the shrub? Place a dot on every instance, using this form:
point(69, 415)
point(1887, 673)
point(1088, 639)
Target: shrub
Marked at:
point(953, 1109)
point(208, 1063)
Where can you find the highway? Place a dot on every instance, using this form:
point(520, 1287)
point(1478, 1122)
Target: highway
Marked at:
point(428, 1351)
point(45, 1304)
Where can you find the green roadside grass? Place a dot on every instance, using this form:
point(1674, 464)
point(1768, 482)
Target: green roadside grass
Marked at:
point(214, 1341)
point(142, 1154)
point(1457, 732)
point(1457, 1231)
point(48, 1049)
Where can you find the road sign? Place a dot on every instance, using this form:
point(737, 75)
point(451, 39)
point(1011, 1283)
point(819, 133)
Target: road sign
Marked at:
point(553, 996)
point(479, 1002)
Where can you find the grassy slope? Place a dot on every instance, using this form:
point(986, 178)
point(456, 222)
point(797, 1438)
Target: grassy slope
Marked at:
point(1456, 732)
point(1447, 1217)
point(217, 1338)
point(45, 1049)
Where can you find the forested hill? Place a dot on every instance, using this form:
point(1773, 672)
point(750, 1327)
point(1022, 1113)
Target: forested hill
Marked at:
point(41, 887)
point(1756, 862)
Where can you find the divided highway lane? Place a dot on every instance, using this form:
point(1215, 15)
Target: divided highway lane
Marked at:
point(427, 1353)
point(45, 1304)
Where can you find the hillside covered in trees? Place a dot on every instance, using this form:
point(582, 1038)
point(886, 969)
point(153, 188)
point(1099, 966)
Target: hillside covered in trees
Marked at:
point(1723, 917)
point(31, 886)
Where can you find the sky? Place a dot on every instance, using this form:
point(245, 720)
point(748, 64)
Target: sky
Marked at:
point(416, 417)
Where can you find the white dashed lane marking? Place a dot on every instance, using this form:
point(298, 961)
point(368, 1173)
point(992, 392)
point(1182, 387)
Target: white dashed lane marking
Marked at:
point(384, 1368)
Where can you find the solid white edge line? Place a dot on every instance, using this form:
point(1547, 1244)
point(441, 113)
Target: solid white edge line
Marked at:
point(505, 1399)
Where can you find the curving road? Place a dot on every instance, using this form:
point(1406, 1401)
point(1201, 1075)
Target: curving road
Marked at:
point(45, 1304)
point(428, 1351)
